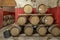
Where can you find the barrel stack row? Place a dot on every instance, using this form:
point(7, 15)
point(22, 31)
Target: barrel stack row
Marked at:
point(29, 30)
point(28, 9)
point(35, 20)
point(30, 24)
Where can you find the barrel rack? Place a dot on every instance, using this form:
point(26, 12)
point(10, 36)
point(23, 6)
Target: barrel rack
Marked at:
point(32, 14)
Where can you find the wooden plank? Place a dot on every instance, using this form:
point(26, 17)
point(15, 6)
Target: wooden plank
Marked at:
point(32, 14)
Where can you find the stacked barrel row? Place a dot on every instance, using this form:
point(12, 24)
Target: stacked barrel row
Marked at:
point(29, 30)
point(31, 24)
point(35, 20)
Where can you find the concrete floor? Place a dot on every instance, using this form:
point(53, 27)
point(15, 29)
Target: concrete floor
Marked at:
point(24, 37)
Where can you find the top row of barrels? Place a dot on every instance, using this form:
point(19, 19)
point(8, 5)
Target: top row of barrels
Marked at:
point(41, 9)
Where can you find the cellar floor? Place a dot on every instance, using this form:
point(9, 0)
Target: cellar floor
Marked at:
point(24, 37)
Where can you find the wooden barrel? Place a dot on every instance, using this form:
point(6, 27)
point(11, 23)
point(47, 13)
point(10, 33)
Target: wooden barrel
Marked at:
point(34, 20)
point(42, 8)
point(28, 30)
point(28, 8)
point(42, 30)
point(22, 20)
point(54, 30)
point(15, 30)
point(47, 20)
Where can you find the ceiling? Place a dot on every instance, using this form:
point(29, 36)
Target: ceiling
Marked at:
point(51, 3)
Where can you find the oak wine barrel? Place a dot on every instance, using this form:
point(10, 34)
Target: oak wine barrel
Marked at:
point(15, 30)
point(54, 30)
point(42, 30)
point(21, 20)
point(28, 30)
point(28, 9)
point(42, 8)
point(47, 20)
point(34, 20)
